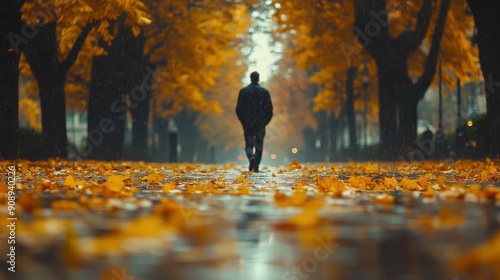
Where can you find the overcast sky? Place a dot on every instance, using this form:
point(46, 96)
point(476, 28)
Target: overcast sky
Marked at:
point(262, 58)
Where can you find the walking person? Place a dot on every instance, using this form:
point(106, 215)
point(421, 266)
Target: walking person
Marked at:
point(254, 110)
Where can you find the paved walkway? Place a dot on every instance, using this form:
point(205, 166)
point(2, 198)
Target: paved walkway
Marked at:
point(101, 220)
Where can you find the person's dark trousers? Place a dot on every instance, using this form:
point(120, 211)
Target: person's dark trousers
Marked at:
point(254, 140)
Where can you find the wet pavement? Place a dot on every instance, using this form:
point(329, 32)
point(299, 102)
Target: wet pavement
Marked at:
point(287, 222)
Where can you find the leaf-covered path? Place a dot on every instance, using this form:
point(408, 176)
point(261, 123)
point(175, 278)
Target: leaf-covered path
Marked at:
point(126, 220)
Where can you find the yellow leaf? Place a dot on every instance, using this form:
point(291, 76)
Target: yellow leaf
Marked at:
point(144, 20)
point(155, 178)
point(114, 183)
point(136, 30)
point(71, 182)
point(169, 186)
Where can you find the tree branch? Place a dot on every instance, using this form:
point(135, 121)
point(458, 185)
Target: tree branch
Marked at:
point(153, 48)
point(412, 39)
point(430, 67)
point(365, 11)
point(73, 54)
point(78, 79)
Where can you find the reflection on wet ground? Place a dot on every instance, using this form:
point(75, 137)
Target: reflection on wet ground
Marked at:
point(249, 237)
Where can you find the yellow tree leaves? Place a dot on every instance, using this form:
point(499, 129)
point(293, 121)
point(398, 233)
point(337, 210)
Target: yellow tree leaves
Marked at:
point(193, 43)
point(323, 31)
point(458, 55)
point(71, 16)
point(223, 128)
point(30, 113)
point(225, 65)
point(291, 96)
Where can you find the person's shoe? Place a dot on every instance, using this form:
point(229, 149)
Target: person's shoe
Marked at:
point(256, 169)
point(252, 164)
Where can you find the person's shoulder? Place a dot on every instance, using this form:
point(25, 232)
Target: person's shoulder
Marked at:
point(244, 89)
point(249, 87)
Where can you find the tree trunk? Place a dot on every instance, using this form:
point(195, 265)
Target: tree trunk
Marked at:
point(107, 111)
point(139, 90)
point(351, 117)
point(10, 22)
point(323, 135)
point(140, 119)
point(53, 107)
point(408, 122)
point(333, 124)
point(487, 19)
point(114, 76)
point(189, 137)
point(388, 93)
point(408, 117)
point(42, 55)
point(309, 136)
point(161, 130)
point(398, 94)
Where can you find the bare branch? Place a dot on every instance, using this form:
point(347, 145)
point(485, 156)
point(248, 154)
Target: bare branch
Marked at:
point(365, 12)
point(73, 54)
point(412, 39)
point(430, 67)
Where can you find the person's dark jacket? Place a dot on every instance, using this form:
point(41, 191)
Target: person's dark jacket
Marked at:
point(254, 108)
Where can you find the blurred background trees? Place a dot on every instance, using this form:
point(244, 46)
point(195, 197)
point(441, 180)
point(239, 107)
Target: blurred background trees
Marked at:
point(148, 80)
point(398, 43)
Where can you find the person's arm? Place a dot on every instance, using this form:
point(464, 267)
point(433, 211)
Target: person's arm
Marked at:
point(269, 107)
point(239, 107)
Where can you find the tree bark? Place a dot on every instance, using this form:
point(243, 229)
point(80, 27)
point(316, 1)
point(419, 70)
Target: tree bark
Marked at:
point(140, 91)
point(10, 22)
point(351, 117)
point(140, 120)
point(398, 94)
point(189, 137)
point(408, 115)
point(107, 111)
point(42, 53)
point(114, 76)
point(388, 93)
point(322, 134)
point(160, 126)
point(487, 19)
point(53, 107)
point(333, 124)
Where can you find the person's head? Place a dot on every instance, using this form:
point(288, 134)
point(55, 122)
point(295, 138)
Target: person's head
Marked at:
point(254, 77)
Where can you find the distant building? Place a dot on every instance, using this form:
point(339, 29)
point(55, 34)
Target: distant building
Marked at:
point(76, 126)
